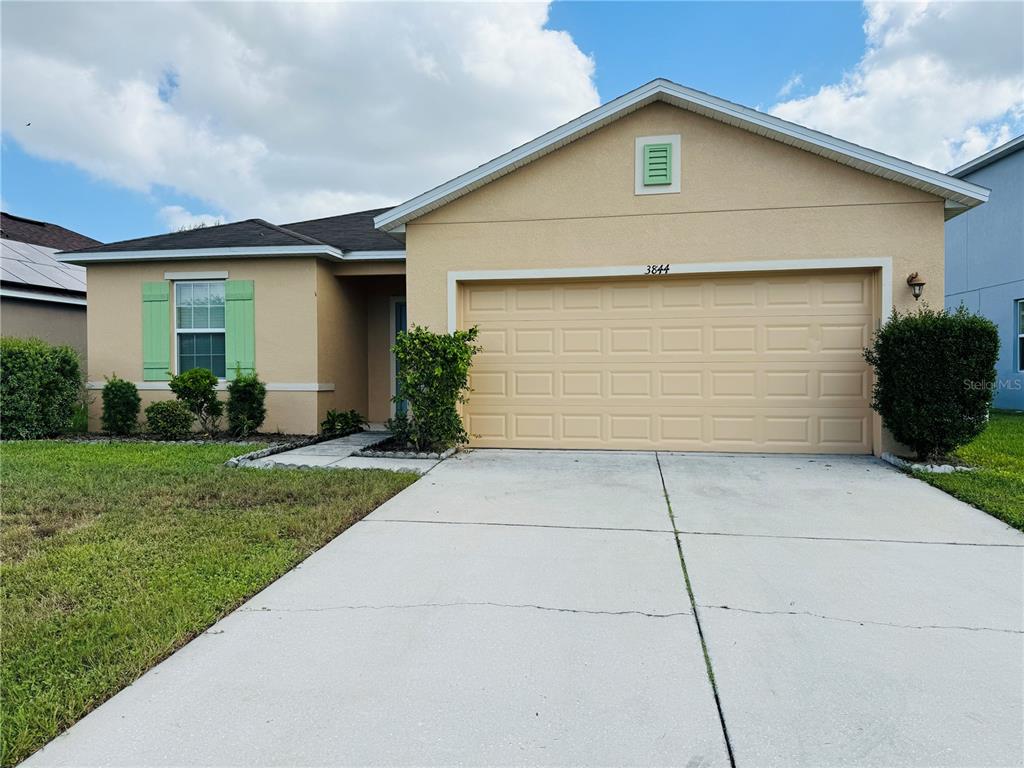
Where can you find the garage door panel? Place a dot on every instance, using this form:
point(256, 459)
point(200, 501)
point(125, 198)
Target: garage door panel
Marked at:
point(748, 363)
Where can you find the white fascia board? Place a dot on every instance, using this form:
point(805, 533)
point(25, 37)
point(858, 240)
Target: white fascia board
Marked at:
point(373, 256)
point(182, 254)
point(821, 144)
point(9, 293)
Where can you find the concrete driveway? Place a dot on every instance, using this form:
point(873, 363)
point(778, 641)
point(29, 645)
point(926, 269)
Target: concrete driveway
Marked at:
point(519, 607)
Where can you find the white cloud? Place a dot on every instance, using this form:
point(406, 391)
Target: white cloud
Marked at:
point(282, 110)
point(939, 83)
point(790, 85)
point(177, 218)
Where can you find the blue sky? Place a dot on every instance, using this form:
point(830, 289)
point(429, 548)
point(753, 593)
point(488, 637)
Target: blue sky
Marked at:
point(145, 144)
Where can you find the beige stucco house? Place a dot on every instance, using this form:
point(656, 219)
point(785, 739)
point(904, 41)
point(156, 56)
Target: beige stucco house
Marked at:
point(670, 271)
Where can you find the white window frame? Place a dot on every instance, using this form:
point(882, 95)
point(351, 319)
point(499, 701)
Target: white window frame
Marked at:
point(176, 362)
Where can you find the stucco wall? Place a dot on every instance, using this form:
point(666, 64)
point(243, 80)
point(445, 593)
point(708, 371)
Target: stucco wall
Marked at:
point(55, 323)
point(379, 293)
point(985, 265)
point(743, 198)
point(341, 341)
point(286, 329)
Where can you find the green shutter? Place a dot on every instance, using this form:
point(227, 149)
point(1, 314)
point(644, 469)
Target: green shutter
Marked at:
point(156, 331)
point(239, 327)
point(657, 164)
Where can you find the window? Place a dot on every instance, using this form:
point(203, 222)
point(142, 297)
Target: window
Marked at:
point(199, 325)
point(1020, 335)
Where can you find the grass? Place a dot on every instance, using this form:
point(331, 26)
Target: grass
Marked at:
point(997, 484)
point(115, 555)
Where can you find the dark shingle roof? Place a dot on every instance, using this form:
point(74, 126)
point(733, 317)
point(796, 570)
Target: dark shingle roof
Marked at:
point(240, 234)
point(41, 233)
point(350, 232)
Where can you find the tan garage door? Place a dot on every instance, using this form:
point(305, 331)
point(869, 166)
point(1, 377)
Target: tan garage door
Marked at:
point(767, 363)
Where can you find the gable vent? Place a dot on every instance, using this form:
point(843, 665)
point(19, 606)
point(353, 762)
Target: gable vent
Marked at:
point(657, 164)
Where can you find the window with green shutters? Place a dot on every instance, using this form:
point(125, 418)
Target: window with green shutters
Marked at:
point(657, 164)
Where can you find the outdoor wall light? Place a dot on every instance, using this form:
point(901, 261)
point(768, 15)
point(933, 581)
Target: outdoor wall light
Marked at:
point(916, 284)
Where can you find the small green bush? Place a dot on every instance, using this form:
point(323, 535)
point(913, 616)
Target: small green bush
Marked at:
point(197, 389)
point(247, 408)
point(341, 423)
point(934, 377)
point(121, 403)
point(433, 377)
point(40, 388)
point(169, 419)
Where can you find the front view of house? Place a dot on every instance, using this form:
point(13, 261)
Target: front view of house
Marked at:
point(669, 271)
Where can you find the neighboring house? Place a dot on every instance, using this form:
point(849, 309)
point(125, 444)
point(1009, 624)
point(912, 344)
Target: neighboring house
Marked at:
point(670, 271)
point(985, 261)
point(40, 296)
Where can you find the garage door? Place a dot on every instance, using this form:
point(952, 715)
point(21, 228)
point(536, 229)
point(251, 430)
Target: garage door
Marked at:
point(766, 363)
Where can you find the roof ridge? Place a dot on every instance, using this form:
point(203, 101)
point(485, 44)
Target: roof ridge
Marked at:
point(374, 211)
point(284, 230)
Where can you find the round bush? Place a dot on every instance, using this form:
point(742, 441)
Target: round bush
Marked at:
point(247, 408)
point(169, 419)
point(197, 389)
point(934, 377)
point(40, 388)
point(121, 403)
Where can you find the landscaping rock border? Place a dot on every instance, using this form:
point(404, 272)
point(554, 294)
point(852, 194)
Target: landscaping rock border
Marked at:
point(935, 469)
point(270, 450)
point(375, 454)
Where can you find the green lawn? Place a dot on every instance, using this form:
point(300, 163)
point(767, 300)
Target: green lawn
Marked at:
point(997, 485)
point(114, 555)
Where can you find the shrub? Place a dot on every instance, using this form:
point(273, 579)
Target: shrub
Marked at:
point(40, 387)
point(433, 377)
point(934, 376)
point(120, 406)
point(169, 419)
point(247, 407)
point(197, 389)
point(341, 423)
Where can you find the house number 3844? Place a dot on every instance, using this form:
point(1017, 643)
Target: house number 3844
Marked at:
point(657, 269)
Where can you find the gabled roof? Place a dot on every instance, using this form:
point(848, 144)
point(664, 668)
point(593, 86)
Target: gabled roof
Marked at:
point(959, 195)
point(239, 234)
point(349, 236)
point(41, 233)
point(1003, 150)
point(349, 232)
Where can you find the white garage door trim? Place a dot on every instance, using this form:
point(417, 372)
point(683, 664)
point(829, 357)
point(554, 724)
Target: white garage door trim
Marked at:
point(716, 267)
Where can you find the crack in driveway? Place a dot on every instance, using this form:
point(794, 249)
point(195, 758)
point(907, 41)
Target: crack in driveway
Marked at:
point(404, 606)
point(861, 621)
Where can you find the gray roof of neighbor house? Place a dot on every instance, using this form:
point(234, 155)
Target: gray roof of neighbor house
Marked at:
point(28, 264)
point(1003, 150)
point(333, 236)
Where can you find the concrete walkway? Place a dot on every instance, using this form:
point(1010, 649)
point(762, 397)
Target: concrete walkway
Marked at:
point(529, 608)
point(338, 454)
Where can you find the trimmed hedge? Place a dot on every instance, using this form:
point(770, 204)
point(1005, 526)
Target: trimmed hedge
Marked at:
point(247, 404)
point(197, 389)
point(121, 403)
point(934, 377)
point(169, 419)
point(40, 388)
